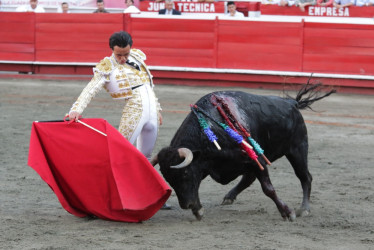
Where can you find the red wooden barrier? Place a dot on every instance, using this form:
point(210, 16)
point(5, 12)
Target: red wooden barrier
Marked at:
point(66, 41)
point(339, 48)
point(74, 37)
point(260, 45)
point(180, 42)
point(17, 36)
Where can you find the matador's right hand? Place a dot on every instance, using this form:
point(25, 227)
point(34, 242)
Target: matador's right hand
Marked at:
point(74, 116)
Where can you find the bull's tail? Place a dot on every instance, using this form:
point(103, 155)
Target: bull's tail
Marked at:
point(313, 92)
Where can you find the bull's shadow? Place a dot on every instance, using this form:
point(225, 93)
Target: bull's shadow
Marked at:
point(216, 138)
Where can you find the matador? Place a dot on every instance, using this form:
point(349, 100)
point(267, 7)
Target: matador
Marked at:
point(126, 77)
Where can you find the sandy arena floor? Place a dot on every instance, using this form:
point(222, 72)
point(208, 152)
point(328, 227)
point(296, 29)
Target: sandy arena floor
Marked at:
point(341, 160)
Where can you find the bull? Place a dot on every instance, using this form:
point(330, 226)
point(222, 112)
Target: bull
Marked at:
point(274, 122)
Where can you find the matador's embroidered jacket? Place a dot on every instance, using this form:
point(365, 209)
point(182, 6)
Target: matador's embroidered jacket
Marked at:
point(118, 80)
point(121, 82)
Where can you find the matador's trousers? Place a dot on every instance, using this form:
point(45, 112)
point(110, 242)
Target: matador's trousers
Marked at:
point(139, 121)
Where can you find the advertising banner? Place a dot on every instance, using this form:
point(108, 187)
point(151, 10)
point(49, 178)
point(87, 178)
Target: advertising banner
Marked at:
point(184, 6)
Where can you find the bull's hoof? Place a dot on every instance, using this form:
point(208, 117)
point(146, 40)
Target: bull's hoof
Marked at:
point(227, 201)
point(199, 213)
point(292, 216)
point(302, 212)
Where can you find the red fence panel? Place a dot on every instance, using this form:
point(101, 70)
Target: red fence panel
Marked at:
point(17, 35)
point(175, 42)
point(75, 37)
point(259, 45)
point(339, 48)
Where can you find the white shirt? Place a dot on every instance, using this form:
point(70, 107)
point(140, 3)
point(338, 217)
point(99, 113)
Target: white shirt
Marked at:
point(342, 2)
point(270, 2)
point(132, 9)
point(27, 8)
point(363, 2)
point(237, 14)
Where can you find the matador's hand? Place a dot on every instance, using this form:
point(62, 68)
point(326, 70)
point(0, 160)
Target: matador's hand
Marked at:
point(74, 116)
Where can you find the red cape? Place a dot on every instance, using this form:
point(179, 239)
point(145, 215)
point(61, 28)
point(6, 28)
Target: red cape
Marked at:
point(93, 174)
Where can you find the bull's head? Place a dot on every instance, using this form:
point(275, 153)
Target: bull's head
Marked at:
point(177, 167)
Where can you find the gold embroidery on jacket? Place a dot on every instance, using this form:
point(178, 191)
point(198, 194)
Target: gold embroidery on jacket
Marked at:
point(104, 66)
point(125, 94)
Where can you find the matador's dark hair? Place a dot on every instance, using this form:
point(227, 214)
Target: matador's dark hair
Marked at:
point(120, 39)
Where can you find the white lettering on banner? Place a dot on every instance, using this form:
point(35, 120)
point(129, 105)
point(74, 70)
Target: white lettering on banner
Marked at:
point(153, 6)
point(196, 7)
point(328, 11)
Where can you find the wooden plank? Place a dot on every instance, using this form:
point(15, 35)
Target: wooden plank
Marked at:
point(17, 37)
point(334, 32)
point(174, 25)
point(255, 28)
point(17, 47)
point(337, 41)
point(173, 34)
point(339, 37)
point(174, 43)
point(80, 18)
point(339, 64)
point(277, 62)
point(106, 28)
point(72, 37)
point(327, 50)
point(71, 46)
point(274, 57)
point(193, 54)
point(70, 56)
point(339, 26)
point(14, 17)
point(258, 48)
point(12, 56)
point(261, 33)
point(17, 27)
point(176, 61)
point(261, 39)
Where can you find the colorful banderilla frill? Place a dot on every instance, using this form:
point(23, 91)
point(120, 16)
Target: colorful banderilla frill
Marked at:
point(205, 126)
point(236, 136)
point(230, 118)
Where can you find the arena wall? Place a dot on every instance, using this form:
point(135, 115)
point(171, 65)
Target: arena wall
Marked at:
point(207, 49)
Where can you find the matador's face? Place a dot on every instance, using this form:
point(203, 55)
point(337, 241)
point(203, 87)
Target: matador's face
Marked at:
point(121, 54)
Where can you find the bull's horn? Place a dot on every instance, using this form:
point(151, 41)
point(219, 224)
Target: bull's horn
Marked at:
point(187, 155)
point(154, 160)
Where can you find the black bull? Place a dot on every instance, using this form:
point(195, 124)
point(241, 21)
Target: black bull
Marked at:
point(274, 122)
